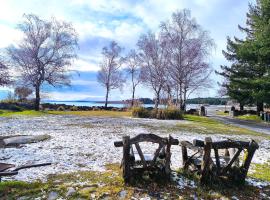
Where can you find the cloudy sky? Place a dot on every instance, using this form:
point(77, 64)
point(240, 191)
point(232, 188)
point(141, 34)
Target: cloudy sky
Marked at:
point(100, 21)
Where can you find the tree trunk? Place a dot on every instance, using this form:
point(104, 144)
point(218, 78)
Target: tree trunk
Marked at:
point(259, 107)
point(107, 96)
point(37, 100)
point(133, 96)
point(157, 101)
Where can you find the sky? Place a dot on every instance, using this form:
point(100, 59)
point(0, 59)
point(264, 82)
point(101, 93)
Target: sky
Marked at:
point(98, 22)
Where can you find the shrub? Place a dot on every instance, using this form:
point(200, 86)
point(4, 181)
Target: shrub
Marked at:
point(74, 108)
point(96, 109)
point(61, 108)
point(140, 112)
point(169, 113)
point(114, 109)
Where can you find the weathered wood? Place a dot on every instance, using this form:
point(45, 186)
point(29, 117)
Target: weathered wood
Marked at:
point(217, 160)
point(206, 160)
point(131, 154)
point(148, 138)
point(235, 156)
point(204, 167)
point(184, 157)
point(226, 144)
point(30, 166)
point(126, 161)
point(190, 146)
point(160, 146)
point(253, 146)
point(168, 159)
point(140, 154)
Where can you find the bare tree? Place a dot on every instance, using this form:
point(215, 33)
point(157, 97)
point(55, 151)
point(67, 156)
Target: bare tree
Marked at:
point(45, 53)
point(22, 92)
point(188, 47)
point(154, 57)
point(134, 70)
point(4, 74)
point(110, 75)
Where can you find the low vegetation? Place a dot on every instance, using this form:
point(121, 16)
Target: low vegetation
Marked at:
point(109, 184)
point(167, 113)
point(254, 118)
point(261, 171)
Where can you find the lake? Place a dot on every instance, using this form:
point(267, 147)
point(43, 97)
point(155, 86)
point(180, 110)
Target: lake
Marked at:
point(92, 103)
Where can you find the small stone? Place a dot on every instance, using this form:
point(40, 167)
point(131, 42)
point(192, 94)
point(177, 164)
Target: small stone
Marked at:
point(52, 196)
point(122, 194)
point(70, 191)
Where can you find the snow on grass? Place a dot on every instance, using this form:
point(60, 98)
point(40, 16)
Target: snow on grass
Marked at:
point(86, 143)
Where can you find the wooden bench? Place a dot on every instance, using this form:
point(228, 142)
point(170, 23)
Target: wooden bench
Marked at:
point(132, 161)
point(217, 167)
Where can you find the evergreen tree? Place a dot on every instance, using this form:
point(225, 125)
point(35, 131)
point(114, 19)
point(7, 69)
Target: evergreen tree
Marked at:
point(248, 77)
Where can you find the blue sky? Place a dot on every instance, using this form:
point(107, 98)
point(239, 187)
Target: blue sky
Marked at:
point(99, 21)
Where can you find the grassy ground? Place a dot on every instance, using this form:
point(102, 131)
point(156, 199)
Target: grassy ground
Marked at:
point(196, 124)
point(110, 185)
point(100, 113)
point(254, 118)
point(205, 125)
point(261, 171)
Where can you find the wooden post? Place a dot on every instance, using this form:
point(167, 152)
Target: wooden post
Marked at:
point(205, 175)
point(184, 157)
point(253, 146)
point(126, 160)
point(168, 157)
point(217, 160)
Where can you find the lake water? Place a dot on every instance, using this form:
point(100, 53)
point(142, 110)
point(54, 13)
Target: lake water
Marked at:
point(92, 103)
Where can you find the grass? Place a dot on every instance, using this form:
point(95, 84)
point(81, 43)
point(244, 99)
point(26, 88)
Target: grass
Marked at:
point(205, 125)
point(254, 118)
point(10, 113)
point(99, 113)
point(33, 113)
point(109, 184)
point(261, 171)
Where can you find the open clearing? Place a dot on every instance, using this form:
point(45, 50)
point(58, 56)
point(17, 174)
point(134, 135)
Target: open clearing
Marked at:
point(83, 143)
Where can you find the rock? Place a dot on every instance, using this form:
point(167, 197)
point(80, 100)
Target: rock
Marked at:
point(25, 139)
point(70, 191)
point(52, 195)
point(123, 194)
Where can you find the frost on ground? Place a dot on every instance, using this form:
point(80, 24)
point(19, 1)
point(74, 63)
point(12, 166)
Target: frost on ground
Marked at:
point(86, 143)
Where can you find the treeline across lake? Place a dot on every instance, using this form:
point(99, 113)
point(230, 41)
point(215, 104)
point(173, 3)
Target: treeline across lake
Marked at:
point(207, 100)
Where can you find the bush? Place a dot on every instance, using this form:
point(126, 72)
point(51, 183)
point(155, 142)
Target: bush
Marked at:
point(140, 112)
point(169, 113)
point(61, 108)
point(74, 108)
point(114, 109)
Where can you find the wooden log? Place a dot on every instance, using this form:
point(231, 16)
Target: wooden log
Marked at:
point(141, 154)
point(131, 154)
point(30, 166)
point(253, 146)
point(190, 146)
point(205, 173)
point(235, 156)
point(126, 161)
point(148, 138)
point(184, 157)
point(226, 144)
point(217, 160)
point(168, 157)
point(160, 146)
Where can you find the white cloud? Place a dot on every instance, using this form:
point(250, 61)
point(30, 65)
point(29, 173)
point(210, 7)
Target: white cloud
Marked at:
point(82, 65)
point(58, 96)
point(9, 36)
